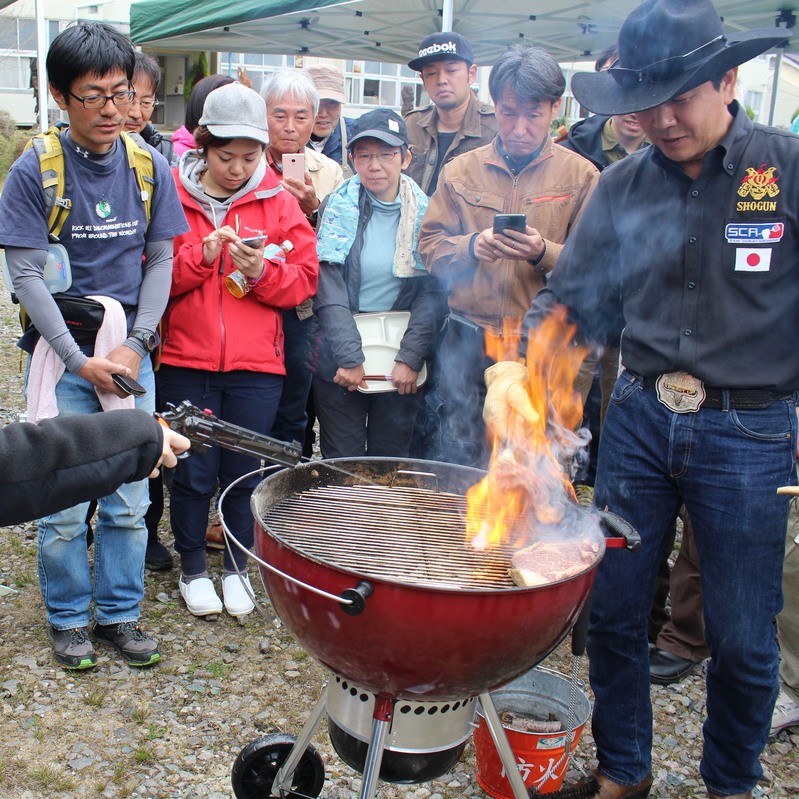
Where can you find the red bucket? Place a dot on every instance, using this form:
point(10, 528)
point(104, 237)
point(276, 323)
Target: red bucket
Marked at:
point(540, 757)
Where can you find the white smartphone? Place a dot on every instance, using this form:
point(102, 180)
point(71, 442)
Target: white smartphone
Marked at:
point(294, 166)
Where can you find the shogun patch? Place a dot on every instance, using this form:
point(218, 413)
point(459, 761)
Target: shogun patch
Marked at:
point(754, 232)
point(759, 183)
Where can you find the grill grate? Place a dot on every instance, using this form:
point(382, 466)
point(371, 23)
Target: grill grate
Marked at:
point(401, 534)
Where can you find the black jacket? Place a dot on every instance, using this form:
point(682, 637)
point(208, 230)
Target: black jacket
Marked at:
point(61, 462)
point(159, 142)
point(585, 138)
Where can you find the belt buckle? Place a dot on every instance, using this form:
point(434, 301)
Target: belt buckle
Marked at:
point(680, 392)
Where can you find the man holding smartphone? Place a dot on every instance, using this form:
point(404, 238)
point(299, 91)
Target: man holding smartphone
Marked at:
point(493, 231)
point(118, 251)
point(292, 103)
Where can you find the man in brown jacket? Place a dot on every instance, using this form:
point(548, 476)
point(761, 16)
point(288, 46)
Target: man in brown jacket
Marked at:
point(455, 122)
point(493, 277)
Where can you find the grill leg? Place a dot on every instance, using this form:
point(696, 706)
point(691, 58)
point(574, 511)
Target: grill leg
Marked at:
point(381, 721)
point(283, 778)
point(503, 747)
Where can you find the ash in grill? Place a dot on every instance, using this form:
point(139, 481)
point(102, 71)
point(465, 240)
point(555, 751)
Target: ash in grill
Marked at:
point(402, 534)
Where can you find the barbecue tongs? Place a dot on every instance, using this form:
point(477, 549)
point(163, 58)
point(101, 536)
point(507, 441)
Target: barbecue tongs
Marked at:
point(204, 430)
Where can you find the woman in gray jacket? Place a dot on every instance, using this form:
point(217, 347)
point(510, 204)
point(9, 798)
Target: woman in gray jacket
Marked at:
point(369, 262)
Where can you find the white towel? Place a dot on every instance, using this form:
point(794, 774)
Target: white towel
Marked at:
point(46, 368)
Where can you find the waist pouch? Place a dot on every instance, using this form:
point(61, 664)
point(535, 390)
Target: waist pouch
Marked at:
point(82, 316)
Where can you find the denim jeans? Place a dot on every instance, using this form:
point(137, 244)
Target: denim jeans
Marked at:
point(120, 536)
point(725, 466)
point(462, 393)
point(247, 399)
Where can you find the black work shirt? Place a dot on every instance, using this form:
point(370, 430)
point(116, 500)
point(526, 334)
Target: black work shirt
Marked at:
point(704, 273)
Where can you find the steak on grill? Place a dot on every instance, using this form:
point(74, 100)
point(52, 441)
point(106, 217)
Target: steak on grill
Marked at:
point(547, 562)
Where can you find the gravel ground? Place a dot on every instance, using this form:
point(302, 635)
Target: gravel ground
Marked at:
point(173, 731)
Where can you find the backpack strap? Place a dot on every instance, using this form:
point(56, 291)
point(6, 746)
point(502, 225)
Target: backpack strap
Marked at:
point(51, 164)
point(140, 160)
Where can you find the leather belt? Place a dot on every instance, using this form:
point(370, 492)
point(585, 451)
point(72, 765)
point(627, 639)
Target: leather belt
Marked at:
point(751, 399)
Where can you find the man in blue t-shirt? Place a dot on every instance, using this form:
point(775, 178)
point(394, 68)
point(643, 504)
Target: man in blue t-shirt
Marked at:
point(114, 254)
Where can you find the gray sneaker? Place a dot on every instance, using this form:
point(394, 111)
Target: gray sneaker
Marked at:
point(72, 648)
point(786, 713)
point(135, 646)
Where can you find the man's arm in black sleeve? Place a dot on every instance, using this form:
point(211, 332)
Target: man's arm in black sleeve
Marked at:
point(62, 462)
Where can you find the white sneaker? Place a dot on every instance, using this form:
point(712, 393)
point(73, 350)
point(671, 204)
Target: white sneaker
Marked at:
point(237, 597)
point(200, 597)
point(786, 713)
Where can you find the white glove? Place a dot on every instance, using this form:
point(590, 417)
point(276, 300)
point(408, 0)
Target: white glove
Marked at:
point(507, 400)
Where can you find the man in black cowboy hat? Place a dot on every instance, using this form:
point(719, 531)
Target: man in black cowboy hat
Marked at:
point(694, 240)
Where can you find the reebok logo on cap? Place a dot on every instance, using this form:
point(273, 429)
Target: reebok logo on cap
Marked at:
point(450, 48)
point(444, 44)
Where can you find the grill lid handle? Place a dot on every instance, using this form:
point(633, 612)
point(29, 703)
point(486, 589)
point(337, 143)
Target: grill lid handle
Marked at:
point(354, 599)
point(618, 532)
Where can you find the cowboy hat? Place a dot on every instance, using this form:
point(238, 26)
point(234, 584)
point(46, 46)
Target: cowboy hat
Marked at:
point(666, 48)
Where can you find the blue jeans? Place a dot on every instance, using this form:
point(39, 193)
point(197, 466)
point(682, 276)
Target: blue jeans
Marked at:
point(247, 399)
point(461, 394)
point(725, 466)
point(120, 535)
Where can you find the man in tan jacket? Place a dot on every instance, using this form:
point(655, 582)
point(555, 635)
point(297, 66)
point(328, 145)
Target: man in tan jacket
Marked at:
point(455, 121)
point(292, 103)
point(493, 277)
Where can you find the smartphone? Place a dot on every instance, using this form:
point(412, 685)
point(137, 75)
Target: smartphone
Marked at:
point(129, 385)
point(503, 222)
point(294, 166)
point(255, 241)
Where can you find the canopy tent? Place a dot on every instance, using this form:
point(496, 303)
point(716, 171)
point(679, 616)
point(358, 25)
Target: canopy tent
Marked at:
point(389, 30)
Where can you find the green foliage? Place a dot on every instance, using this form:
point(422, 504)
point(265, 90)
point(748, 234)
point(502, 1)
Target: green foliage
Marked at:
point(196, 72)
point(750, 112)
point(12, 142)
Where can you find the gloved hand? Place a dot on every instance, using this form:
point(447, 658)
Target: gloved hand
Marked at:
point(507, 400)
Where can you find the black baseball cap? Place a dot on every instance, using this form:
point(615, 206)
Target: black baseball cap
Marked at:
point(383, 124)
point(442, 45)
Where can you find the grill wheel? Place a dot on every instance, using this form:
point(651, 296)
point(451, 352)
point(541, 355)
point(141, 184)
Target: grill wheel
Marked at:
point(256, 767)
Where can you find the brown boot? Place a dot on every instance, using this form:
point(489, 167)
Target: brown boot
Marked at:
point(747, 795)
point(612, 790)
point(597, 786)
point(214, 537)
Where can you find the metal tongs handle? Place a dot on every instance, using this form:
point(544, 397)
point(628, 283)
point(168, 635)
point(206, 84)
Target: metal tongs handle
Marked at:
point(204, 430)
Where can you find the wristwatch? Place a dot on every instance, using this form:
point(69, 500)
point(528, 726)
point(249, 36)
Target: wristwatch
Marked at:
point(147, 338)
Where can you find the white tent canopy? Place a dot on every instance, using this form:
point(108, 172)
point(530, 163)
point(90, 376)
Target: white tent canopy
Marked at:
point(389, 30)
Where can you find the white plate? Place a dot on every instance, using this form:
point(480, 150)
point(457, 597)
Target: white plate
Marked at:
point(381, 336)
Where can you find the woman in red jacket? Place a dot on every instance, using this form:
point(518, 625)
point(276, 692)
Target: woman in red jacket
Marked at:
point(221, 351)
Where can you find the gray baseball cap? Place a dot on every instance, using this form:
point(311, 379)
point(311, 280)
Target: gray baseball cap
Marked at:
point(235, 112)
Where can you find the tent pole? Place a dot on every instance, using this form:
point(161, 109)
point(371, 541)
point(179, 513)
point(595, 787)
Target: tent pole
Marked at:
point(41, 65)
point(446, 15)
point(775, 85)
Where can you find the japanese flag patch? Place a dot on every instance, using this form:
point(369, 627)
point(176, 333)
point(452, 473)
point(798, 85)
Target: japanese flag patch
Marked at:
point(752, 260)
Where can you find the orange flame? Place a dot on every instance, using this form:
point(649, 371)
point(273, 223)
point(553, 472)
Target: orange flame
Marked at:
point(528, 484)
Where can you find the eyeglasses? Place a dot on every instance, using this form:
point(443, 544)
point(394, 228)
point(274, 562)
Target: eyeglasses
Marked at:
point(660, 71)
point(94, 101)
point(364, 159)
point(144, 104)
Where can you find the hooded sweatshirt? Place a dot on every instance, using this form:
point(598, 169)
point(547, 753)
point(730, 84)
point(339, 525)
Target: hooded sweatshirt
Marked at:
point(206, 327)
